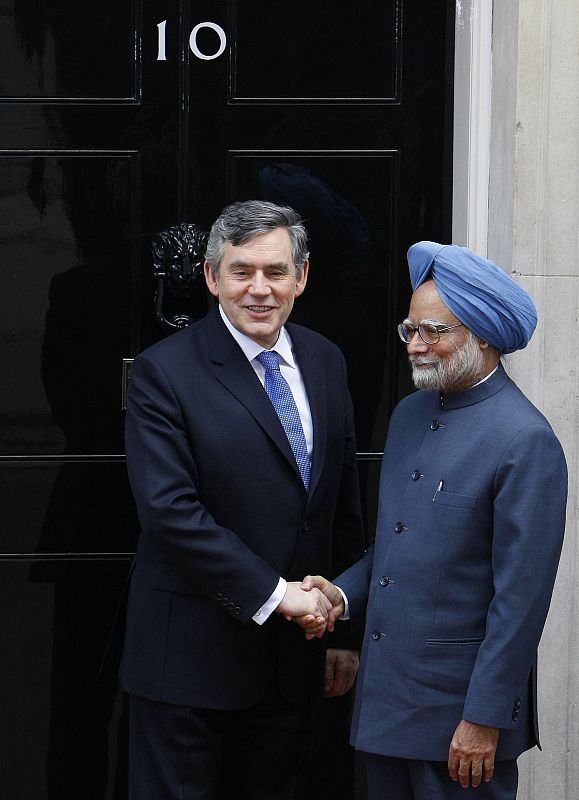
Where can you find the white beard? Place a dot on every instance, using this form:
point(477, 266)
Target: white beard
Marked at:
point(463, 368)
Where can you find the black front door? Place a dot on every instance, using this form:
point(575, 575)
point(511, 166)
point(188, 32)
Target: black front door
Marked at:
point(118, 120)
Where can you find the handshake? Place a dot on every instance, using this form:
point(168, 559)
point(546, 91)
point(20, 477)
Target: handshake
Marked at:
point(315, 604)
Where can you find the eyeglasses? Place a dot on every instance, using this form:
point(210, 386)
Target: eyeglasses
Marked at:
point(429, 333)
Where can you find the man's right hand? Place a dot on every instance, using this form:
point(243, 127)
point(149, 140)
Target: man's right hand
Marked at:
point(311, 604)
point(334, 597)
point(471, 757)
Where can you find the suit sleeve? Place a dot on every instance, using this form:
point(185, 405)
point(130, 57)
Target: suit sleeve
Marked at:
point(177, 530)
point(355, 583)
point(529, 520)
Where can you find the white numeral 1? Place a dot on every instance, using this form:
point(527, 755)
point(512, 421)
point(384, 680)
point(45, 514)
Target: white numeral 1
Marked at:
point(161, 56)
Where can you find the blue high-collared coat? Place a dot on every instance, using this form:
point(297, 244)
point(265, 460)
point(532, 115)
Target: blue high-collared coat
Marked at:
point(470, 526)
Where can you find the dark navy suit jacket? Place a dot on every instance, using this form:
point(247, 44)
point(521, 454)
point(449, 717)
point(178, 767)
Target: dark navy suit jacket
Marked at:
point(470, 527)
point(224, 513)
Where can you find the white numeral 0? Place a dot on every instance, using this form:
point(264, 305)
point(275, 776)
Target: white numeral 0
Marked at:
point(193, 40)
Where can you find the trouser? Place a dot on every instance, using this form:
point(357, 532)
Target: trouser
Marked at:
point(184, 753)
point(406, 779)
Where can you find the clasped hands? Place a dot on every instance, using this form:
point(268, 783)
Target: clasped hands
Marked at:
point(315, 604)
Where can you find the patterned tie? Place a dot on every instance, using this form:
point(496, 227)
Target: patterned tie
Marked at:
point(283, 401)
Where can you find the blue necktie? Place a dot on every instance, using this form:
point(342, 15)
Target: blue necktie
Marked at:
point(283, 401)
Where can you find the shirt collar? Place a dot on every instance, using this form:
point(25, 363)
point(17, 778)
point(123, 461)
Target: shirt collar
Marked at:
point(486, 378)
point(251, 349)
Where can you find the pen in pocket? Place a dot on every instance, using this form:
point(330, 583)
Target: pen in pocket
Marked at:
point(438, 489)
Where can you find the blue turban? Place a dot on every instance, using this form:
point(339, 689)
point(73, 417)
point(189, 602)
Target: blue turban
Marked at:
point(479, 294)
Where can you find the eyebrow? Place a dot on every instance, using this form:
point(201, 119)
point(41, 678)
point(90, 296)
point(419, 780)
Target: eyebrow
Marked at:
point(408, 321)
point(274, 264)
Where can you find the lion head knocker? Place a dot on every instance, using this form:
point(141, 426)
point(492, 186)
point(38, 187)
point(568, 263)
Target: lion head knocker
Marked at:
point(178, 256)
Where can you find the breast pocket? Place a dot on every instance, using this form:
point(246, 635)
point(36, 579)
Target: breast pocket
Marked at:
point(451, 500)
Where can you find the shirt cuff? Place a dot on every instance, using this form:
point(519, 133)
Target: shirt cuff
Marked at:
point(270, 605)
point(346, 614)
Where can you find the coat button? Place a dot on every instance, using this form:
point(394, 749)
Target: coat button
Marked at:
point(376, 635)
point(515, 716)
point(434, 425)
point(219, 596)
point(237, 610)
point(517, 704)
point(306, 525)
point(399, 527)
point(384, 580)
point(416, 475)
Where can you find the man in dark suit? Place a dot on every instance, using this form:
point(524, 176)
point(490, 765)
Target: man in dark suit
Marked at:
point(244, 480)
point(470, 527)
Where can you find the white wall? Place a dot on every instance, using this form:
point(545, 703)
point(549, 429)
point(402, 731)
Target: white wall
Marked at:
point(533, 213)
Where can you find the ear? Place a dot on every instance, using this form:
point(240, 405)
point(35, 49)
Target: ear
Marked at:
point(483, 345)
point(303, 279)
point(211, 280)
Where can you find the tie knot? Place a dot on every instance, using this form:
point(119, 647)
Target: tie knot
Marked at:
point(269, 359)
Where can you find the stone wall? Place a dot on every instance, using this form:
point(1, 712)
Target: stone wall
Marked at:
point(533, 233)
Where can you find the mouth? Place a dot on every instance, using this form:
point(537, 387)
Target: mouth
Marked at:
point(415, 362)
point(259, 311)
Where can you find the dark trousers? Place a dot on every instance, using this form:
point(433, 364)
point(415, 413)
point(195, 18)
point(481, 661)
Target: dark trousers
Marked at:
point(405, 779)
point(183, 753)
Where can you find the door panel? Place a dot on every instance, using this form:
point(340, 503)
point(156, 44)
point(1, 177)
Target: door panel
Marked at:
point(63, 732)
point(58, 51)
point(62, 506)
point(321, 53)
point(117, 122)
point(68, 264)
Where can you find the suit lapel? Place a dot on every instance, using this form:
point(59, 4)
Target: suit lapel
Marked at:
point(314, 378)
point(235, 373)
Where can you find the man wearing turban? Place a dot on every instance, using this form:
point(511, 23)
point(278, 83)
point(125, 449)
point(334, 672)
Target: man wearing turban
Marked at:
point(470, 525)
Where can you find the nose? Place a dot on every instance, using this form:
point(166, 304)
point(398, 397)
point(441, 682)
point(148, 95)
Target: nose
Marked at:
point(259, 284)
point(416, 345)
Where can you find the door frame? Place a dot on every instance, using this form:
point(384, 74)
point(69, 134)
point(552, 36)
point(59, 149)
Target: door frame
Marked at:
point(472, 123)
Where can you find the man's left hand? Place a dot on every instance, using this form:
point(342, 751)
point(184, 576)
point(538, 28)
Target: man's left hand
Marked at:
point(471, 756)
point(341, 669)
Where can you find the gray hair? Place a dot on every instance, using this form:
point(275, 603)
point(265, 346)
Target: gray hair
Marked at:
point(240, 222)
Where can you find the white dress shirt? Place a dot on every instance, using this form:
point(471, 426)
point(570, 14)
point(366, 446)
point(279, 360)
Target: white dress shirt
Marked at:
point(291, 372)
